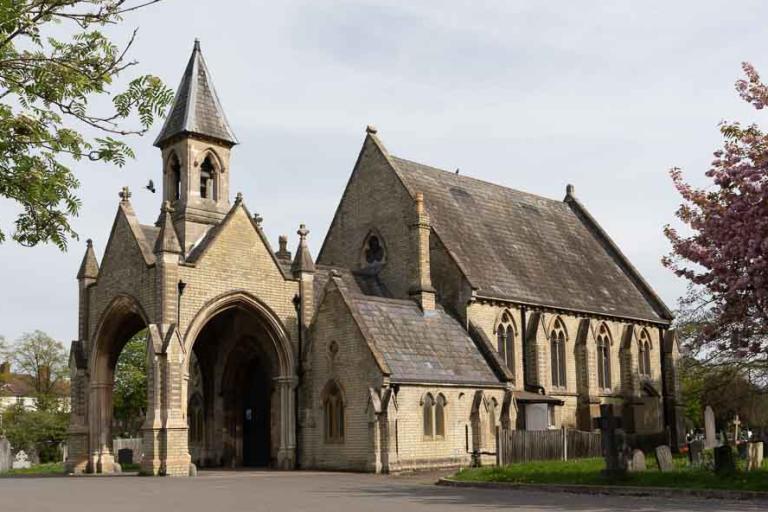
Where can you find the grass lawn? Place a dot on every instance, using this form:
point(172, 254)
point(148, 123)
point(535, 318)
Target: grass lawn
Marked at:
point(589, 472)
point(39, 469)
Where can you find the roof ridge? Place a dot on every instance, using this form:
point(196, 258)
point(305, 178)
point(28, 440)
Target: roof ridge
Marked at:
point(472, 178)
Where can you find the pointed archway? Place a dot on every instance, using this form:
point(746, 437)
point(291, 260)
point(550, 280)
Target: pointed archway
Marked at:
point(246, 377)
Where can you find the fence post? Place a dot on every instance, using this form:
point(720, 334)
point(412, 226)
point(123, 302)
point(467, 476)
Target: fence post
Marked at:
point(565, 442)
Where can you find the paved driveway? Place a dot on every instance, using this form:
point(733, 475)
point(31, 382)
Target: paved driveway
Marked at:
point(304, 491)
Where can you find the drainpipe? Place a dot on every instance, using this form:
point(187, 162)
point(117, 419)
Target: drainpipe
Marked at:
point(299, 372)
point(523, 333)
point(665, 397)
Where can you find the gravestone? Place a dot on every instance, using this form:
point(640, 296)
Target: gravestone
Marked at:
point(21, 461)
point(664, 458)
point(754, 456)
point(736, 431)
point(695, 449)
point(125, 456)
point(710, 434)
point(637, 462)
point(6, 460)
point(725, 462)
point(614, 441)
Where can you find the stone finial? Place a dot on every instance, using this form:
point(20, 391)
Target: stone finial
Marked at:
point(238, 198)
point(303, 262)
point(196, 47)
point(89, 268)
point(371, 130)
point(570, 190)
point(167, 239)
point(125, 194)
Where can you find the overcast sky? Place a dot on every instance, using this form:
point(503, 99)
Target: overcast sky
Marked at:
point(531, 95)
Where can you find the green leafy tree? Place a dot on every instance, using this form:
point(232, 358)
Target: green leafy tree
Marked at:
point(130, 391)
point(47, 85)
point(40, 430)
point(43, 359)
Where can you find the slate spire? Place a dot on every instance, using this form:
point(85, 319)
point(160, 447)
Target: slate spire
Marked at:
point(89, 268)
point(196, 108)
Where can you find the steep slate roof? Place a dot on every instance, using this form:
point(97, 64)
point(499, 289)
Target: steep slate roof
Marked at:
point(196, 108)
point(420, 347)
point(522, 247)
point(416, 347)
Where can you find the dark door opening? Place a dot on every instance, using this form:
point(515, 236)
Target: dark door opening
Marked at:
point(255, 417)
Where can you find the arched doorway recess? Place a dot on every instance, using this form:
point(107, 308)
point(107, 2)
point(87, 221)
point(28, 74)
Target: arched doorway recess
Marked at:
point(239, 380)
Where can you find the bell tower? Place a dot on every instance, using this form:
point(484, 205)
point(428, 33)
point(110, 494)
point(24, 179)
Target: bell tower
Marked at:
point(196, 141)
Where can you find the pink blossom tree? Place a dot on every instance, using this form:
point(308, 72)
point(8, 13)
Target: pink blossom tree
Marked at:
point(724, 253)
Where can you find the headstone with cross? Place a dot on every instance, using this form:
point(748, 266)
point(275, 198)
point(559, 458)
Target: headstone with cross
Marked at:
point(736, 431)
point(614, 441)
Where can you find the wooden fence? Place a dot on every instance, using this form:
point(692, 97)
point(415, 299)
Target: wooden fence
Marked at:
point(525, 446)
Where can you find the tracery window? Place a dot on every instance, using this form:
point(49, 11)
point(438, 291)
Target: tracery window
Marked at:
point(207, 171)
point(557, 339)
point(644, 355)
point(505, 341)
point(333, 413)
point(604, 357)
point(433, 413)
point(374, 252)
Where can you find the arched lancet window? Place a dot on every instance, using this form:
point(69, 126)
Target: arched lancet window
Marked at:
point(644, 355)
point(505, 340)
point(174, 178)
point(557, 339)
point(433, 413)
point(427, 411)
point(440, 416)
point(207, 179)
point(333, 413)
point(604, 357)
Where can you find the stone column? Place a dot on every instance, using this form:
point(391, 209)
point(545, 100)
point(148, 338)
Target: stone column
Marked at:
point(100, 416)
point(151, 430)
point(286, 455)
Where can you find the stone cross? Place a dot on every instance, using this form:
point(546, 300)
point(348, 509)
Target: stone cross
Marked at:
point(613, 440)
point(736, 422)
point(21, 461)
point(125, 194)
point(710, 435)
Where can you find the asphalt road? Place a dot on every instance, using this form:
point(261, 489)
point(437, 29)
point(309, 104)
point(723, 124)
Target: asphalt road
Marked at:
point(254, 491)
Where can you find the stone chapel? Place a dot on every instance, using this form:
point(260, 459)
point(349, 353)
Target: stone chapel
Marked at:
point(441, 311)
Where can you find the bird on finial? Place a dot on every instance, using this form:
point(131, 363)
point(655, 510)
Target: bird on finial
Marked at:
point(258, 219)
point(151, 186)
point(570, 189)
point(89, 243)
point(302, 232)
point(125, 194)
point(370, 129)
point(239, 198)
